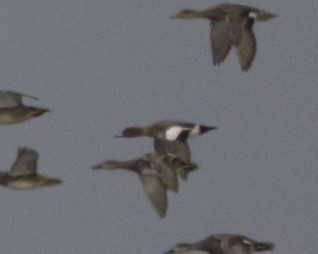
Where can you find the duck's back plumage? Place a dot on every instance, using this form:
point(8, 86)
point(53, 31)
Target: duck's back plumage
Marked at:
point(178, 148)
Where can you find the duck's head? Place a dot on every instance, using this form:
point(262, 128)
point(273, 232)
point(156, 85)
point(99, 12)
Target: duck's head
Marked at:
point(36, 112)
point(250, 244)
point(259, 246)
point(262, 15)
point(110, 164)
point(186, 14)
point(52, 181)
point(204, 129)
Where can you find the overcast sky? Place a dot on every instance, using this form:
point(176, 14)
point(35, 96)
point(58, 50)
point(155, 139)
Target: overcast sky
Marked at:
point(103, 65)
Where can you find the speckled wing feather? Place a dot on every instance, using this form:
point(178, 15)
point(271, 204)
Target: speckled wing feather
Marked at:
point(156, 193)
point(221, 41)
point(244, 40)
point(25, 164)
point(246, 49)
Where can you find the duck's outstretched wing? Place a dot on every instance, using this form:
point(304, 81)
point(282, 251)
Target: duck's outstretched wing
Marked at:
point(156, 193)
point(9, 99)
point(165, 170)
point(246, 47)
point(221, 41)
point(25, 164)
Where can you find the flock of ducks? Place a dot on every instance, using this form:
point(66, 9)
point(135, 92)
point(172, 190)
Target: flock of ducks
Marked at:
point(231, 26)
point(158, 171)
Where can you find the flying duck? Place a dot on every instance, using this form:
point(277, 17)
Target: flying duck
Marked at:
point(23, 173)
point(231, 26)
point(170, 137)
point(157, 174)
point(12, 110)
point(223, 244)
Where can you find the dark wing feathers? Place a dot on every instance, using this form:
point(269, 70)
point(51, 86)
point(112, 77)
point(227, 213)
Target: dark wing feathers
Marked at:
point(26, 163)
point(221, 41)
point(178, 148)
point(246, 49)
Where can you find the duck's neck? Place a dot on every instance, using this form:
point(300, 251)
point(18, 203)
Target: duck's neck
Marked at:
point(130, 165)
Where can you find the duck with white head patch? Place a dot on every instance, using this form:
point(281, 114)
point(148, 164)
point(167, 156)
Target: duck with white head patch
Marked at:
point(170, 137)
point(166, 130)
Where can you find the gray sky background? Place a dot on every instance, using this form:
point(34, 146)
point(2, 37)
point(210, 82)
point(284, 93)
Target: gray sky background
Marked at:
point(101, 66)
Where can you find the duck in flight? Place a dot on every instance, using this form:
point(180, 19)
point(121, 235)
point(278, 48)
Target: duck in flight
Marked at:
point(157, 174)
point(12, 110)
point(231, 26)
point(223, 244)
point(23, 174)
point(170, 137)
